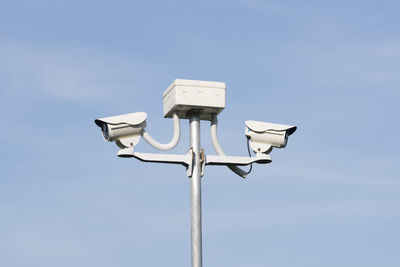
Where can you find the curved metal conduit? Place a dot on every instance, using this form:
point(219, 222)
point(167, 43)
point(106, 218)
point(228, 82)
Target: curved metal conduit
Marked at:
point(175, 139)
point(219, 150)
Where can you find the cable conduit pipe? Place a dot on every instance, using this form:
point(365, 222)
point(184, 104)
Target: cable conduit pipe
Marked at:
point(175, 139)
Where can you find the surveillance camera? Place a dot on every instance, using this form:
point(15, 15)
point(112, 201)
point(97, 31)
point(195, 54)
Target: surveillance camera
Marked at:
point(124, 129)
point(265, 135)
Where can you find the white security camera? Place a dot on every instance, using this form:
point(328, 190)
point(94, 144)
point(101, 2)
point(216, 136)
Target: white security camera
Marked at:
point(265, 135)
point(124, 129)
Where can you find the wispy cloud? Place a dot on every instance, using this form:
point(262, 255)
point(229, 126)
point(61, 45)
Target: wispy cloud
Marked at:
point(364, 171)
point(364, 66)
point(302, 214)
point(68, 73)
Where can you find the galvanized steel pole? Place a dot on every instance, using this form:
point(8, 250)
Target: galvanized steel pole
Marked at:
point(184, 99)
point(195, 192)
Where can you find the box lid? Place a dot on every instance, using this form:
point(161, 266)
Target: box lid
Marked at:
point(194, 83)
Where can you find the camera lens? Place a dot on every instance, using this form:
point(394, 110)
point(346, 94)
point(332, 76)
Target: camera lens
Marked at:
point(104, 129)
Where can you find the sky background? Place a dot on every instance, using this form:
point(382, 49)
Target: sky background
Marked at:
point(330, 198)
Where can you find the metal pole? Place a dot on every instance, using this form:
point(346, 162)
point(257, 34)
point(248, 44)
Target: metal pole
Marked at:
point(195, 193)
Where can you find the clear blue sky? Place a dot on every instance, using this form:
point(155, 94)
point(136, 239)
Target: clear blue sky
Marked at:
point(331, 198)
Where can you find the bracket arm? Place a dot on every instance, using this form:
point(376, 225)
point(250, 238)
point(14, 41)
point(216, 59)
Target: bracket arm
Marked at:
point(237, 161)
point(185, 160)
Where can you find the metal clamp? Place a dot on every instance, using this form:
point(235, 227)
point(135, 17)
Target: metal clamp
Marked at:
point(202, 162)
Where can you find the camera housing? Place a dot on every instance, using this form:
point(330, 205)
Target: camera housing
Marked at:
point(124, 129)
point(266, 135)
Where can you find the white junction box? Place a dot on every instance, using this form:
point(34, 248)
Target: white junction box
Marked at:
point(183, 96)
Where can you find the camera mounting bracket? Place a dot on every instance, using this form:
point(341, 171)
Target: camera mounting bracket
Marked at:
point(188, 158)
point(185, 160)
